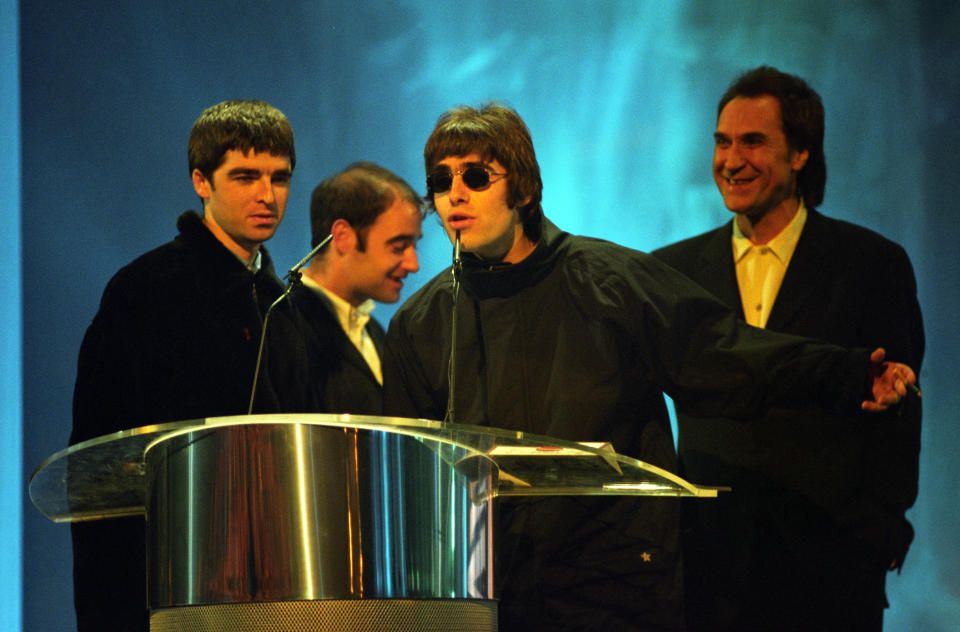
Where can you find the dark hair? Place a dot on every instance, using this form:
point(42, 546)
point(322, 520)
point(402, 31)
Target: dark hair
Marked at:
point(358, 194)
point(494, 132)
point(240, 125)
point(802, 117)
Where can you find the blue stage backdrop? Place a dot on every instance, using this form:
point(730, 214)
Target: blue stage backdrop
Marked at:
point(620, 98)
point(11, 429)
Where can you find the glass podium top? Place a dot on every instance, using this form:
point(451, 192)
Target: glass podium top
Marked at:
point(106, 477)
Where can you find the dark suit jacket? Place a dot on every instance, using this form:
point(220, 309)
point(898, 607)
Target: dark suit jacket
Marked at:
point(347, 385)
point(802, 477)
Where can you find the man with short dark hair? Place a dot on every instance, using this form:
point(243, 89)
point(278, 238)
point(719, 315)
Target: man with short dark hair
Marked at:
point(373, 217)
point(577, 338)
point(816, 516)
point(177, 333)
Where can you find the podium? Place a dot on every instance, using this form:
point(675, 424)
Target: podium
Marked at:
point(325, 522)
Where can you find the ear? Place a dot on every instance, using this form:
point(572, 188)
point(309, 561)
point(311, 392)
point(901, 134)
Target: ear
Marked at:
point(344, 237)
point(201, 185)
point(799, 160)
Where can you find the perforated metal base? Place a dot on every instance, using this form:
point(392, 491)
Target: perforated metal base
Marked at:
point(355, 615)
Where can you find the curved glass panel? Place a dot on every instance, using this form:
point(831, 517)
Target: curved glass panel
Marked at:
point(106, 476)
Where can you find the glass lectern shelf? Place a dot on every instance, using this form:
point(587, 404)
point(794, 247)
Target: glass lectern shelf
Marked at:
point(105, 477)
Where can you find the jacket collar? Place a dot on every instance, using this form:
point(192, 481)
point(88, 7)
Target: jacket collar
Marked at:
point(800, 282)
point(220, 265)
point(484, 279)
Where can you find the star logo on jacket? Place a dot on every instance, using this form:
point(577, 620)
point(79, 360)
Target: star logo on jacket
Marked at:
point(646, 557)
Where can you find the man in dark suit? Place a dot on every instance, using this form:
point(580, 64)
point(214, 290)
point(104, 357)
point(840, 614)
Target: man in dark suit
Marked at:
point(374, 219)
point(816, 516)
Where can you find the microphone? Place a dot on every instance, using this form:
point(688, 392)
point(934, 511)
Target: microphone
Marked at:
point(293, 278)
point(457, 262)
point(451, 371)
point(294, 272)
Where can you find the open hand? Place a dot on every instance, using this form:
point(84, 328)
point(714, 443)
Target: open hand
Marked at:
point(890, 382)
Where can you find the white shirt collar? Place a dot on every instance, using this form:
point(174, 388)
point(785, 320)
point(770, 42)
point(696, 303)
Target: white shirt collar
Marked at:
point(351, 318)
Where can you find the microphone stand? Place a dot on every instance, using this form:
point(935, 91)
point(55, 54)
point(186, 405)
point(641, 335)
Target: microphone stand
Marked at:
point(293, 279)
point(451, 370)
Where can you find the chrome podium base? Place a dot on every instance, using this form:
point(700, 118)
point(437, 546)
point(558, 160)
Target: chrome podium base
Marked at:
point(337, 615)
point(301, 527)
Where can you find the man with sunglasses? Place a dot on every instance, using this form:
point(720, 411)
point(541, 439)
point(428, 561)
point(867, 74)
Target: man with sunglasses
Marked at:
point(577, 338)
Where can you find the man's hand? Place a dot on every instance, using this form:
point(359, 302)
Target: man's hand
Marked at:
point(890, 381)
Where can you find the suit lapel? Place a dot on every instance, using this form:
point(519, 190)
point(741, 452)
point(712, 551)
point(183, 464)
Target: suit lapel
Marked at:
point(324, 320)
point(377, 334)
point(800, 287)
point(717, 272)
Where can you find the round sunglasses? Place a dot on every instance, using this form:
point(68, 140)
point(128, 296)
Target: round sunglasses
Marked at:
point(476, 177)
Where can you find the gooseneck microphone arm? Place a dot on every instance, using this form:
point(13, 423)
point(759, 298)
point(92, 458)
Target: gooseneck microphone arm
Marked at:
point(451, 366)
point(294, 272)
point(293, 279)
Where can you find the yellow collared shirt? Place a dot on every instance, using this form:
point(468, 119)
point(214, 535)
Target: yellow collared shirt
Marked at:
point(760, 269)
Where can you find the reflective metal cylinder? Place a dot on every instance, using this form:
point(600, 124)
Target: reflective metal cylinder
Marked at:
point(288, 512)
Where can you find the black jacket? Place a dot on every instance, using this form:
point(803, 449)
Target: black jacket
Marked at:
point(577, 342)
point(346, 383)
point(807, 483)
point(175, 338)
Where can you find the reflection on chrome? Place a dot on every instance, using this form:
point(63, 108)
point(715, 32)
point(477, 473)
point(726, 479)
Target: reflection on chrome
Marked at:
point(272, 508)
point(300, 452)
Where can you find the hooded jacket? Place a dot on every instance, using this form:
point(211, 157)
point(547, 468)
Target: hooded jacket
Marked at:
point(579, 341)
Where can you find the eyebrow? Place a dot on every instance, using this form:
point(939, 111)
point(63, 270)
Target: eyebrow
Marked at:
point(748, 136)
point(404, 237)
point(247, 171)
point(461, 165)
